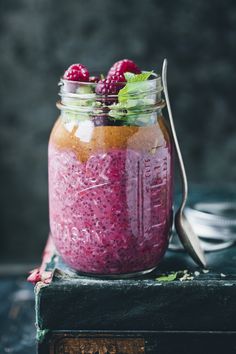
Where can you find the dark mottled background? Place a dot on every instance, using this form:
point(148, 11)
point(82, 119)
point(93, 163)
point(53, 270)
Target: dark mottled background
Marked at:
point(39, 39)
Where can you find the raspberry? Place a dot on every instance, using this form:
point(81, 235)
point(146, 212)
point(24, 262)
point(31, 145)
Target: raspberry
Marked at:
point(108, 86)
point(117, 77)
point(77, 72)
point(123, 66)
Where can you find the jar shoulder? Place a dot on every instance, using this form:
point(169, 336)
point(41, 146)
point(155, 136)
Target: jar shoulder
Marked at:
point(85, 139)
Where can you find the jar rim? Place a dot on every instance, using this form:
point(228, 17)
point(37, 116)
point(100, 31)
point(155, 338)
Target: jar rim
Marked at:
point(71, 88)
point(143, 97)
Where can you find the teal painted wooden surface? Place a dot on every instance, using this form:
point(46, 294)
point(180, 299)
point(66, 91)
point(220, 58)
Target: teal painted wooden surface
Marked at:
point(206, 303)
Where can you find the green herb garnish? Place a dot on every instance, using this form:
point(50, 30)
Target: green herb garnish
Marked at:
point(166, 278)
point(130, 77)
point(136, 85)
point(134, 101)
point(181, 275)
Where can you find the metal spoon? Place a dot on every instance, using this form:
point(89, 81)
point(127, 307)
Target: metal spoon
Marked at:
point(186, 234)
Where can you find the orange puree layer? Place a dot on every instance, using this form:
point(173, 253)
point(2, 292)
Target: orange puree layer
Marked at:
point(104, 138)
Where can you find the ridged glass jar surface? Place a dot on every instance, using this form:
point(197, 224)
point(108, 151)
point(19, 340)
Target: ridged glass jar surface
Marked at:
point(110, 180)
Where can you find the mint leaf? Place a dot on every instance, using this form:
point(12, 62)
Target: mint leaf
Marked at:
point(128, 75)
point(166, 278)
point(135, 100)
point(136, 86)
point(138, 77)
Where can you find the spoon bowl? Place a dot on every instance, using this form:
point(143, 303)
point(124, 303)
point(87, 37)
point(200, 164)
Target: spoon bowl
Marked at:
point(188, 238)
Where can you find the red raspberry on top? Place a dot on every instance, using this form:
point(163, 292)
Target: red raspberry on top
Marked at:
point(122, 66)
point(76, 72)
point(117, 77)
point(108, 86)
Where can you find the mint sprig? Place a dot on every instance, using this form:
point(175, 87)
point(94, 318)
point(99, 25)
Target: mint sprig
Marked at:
point(135, 102)
point(136, 85)
point(130, 77)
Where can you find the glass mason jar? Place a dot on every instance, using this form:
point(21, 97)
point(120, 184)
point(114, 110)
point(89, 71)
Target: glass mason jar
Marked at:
point(110, 178)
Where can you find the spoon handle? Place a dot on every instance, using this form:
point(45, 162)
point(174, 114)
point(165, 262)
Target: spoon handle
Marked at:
point(176, 143)
point(186, 234)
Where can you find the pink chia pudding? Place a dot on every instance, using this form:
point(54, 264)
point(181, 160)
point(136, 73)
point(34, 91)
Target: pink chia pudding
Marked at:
point(112, 214)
